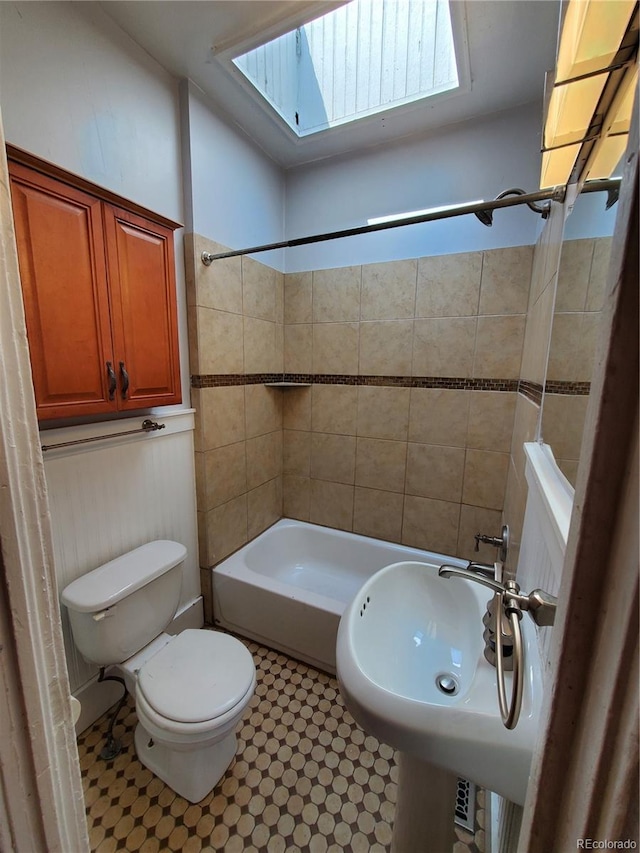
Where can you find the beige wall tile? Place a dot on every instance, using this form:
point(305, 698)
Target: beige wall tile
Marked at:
point(439, 416)
point(296, 455)
point(226, 474)
point(279, 297)
point(278, 360)
point(331, 504)
point(334, 408)
point(336, 295)
point(491, 415)
point(222, 415)
point(220, 337)
point(260, 346)
point(389, 290)
point(444, 347)
point(536, 337)
point(537, 269)
point(220, 284)
point(264, 507)
point(383, 412)
point(430, 524)
point(474, 519)
point(499, 344)
point(333, 457)
point(599, 273)
point(381, 464)
point(297, 297)
point(572, 349)
point(201, 479)
point(434, 471)
point(485, 479)
point(569, 468)
point(378, 514)
point(449, 285)
point(514, 507)
point(335, 348)
point(264, 458)
point(297, 348)
point(525, 428)
point(573, 275)
point(226, 529)
point(297, 408)
point(563, 418)
point(263, 409)
point(296, 497)
point(385, 347)
point(506, 278)
point(259, 290)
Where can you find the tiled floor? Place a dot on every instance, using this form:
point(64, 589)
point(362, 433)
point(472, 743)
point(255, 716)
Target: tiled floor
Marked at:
point(305, 778)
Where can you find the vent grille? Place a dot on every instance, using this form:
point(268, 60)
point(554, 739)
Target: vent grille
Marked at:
point(465, 805)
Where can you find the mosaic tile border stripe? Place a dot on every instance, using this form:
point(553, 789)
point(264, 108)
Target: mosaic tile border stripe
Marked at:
point(532, 390)
point(454, 383)
point(574, 389)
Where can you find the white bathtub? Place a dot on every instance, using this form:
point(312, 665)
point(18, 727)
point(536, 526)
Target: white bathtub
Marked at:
point(289, 587)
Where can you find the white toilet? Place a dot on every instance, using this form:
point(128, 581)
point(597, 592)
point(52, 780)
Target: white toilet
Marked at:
point(191, 690)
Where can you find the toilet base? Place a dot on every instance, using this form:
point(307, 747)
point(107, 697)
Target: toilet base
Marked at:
point(191, 774)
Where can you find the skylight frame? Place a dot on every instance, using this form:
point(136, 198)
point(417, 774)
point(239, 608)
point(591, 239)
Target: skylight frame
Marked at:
point(376, 114)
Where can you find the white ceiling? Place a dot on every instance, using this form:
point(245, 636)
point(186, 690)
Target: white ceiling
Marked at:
point(511, 43)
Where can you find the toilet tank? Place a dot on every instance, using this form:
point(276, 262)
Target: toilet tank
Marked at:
point(118, 608)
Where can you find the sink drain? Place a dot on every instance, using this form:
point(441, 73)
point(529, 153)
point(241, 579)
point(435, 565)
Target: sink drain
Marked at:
point(447, 683)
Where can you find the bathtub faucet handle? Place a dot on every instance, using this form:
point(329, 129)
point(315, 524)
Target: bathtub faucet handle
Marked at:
point(501, 542)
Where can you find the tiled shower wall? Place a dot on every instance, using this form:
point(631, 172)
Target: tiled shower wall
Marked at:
point(581, 287)
point(410, 426)
point(405, 432)
point(546, 257)
point(235, 316)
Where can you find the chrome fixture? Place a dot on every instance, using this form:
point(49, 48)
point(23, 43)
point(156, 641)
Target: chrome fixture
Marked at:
point(509, 603)
point(481, 207)
point(486, 216)
point(501, 542)
point(147, 426)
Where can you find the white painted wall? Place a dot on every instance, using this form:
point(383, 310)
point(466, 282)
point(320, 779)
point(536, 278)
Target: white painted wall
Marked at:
point(463, 163)
point(237, 192)
point(75, 90)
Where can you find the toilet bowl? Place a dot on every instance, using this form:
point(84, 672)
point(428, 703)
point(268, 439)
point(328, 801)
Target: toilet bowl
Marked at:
point(191, 690)
point(190, 697)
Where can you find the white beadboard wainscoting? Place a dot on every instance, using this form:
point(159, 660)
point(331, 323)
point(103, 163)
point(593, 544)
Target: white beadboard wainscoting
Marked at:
point(109, 496)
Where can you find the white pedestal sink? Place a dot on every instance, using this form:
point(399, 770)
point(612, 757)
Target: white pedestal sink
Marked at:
point(406, 632)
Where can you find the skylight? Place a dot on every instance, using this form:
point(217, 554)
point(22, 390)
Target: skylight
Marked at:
point(360, 59)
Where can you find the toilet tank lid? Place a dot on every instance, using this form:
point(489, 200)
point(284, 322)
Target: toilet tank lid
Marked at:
point(105, 586)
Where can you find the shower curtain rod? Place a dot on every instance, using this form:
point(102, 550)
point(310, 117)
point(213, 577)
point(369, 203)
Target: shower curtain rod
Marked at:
point(554, 194)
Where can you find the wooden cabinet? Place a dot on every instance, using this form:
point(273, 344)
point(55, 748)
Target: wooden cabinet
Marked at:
point(99, 291)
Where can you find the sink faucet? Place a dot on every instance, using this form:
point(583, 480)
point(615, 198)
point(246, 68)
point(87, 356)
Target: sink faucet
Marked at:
point(540, 604)
point(508, 604)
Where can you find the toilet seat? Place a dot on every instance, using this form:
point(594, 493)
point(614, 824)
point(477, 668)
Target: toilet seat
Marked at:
point(195, 681)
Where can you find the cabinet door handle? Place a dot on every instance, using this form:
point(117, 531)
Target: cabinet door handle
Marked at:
point(125, 380)
point(112, 380)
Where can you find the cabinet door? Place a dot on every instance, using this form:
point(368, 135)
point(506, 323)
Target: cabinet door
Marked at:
point(143, 304)
point(61, 253)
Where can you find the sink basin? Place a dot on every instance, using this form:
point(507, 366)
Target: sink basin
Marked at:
point(407, 630)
